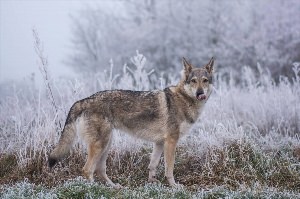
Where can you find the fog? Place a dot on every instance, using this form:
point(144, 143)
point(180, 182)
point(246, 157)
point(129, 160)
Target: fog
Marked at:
point(237, 33)
point(52, 21)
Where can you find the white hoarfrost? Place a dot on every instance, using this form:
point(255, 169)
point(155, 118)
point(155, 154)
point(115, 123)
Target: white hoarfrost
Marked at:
point(256, 109)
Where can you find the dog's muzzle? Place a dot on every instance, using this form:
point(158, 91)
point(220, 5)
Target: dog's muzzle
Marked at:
point(200, 95)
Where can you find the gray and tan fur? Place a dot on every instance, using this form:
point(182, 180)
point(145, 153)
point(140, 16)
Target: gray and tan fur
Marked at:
point(159, 116)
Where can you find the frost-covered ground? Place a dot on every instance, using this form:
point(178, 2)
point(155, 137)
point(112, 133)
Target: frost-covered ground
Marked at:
point(246, 143)
point(79, 188)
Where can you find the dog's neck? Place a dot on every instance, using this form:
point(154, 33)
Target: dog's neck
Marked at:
point(192, 102)
point(181, 91)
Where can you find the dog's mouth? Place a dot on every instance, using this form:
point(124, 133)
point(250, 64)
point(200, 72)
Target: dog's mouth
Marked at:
point(201, 97)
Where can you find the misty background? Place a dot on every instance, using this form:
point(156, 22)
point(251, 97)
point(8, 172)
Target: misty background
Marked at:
point(81, 37)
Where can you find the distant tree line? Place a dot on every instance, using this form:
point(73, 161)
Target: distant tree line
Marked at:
point(236, 33)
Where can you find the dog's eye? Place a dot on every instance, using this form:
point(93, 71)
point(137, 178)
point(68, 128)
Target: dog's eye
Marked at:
point(193, 81)
point(205, 80)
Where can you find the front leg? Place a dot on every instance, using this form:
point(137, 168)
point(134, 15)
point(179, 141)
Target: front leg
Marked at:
point(169, 153)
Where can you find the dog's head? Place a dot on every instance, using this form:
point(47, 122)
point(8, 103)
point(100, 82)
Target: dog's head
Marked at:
point(197, 82)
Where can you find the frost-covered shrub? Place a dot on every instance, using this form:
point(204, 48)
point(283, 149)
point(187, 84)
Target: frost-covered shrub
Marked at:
point(259, 109)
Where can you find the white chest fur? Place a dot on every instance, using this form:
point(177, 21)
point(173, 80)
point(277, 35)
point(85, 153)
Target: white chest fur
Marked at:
point(184, 128)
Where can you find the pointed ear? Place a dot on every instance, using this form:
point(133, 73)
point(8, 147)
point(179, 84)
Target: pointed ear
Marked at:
point(210, 66)
point(187, 68)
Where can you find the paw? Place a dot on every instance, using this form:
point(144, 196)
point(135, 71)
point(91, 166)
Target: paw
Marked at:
point(153, 180)
point(173, 184)
point(90, 179)
point(117, 186)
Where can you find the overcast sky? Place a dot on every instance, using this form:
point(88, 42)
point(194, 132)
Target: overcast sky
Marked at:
point(53, 23)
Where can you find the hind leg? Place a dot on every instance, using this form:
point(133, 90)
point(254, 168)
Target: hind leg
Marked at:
point(95, 150)
point(155, 157)
point(97, 138)
point(101, 167)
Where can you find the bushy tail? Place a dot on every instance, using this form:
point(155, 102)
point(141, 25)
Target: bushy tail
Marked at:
point(64, 145)
point(68, 136)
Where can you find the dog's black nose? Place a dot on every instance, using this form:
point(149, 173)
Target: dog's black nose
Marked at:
point(200, 92)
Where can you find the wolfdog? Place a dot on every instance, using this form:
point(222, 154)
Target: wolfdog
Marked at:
point(159, 116)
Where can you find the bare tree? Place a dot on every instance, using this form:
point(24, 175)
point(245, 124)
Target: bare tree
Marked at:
point(236, 32)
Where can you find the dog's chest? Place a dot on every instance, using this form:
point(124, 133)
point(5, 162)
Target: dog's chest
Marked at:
point(184, 127)
point(191, 117)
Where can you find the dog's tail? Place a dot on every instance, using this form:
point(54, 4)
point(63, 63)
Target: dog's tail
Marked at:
point(68, 135)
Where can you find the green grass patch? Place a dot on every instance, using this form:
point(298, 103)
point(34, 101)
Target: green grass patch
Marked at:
point(79, 189)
